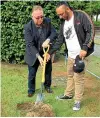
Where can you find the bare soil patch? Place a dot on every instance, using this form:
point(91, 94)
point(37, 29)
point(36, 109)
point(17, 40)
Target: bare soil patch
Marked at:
point(36, 110)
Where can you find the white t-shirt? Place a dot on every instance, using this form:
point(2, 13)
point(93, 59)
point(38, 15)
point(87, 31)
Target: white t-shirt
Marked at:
point(71, 38)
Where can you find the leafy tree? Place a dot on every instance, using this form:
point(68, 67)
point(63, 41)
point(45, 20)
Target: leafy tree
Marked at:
point(93, 8)
point(96, 8)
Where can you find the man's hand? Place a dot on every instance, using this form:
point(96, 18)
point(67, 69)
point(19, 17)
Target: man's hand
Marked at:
point(47, 57)
point(46, 43)
point(82, 53)
point(40, 60)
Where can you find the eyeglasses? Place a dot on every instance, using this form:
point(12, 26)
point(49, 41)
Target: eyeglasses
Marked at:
point(39, 17)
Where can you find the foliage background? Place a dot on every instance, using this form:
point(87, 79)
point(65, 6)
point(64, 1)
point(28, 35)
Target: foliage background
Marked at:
point(14, 14)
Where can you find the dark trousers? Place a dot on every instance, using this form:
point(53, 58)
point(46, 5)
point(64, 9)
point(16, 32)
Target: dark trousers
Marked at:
point(32, 75)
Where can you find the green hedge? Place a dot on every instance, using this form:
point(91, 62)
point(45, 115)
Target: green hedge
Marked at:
point(14, 14)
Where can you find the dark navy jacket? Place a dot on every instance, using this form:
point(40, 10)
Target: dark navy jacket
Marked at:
point(32, 37)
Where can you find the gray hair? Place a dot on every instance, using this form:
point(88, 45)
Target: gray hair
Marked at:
point(37, 7)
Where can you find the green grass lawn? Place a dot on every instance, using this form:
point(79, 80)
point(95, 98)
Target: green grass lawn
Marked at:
point(14, 91)
point(97, 41)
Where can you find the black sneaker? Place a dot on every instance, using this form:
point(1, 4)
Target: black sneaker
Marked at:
point(63, 97)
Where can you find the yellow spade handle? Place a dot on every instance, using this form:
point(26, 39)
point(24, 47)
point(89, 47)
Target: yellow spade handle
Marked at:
point(44, 63)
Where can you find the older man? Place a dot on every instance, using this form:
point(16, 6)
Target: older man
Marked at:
point(38, 33)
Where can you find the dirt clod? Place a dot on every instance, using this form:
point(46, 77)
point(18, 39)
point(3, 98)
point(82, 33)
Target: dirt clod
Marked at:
point(36, 110)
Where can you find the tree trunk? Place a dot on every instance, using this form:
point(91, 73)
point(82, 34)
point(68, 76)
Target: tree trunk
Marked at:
point(96, 17)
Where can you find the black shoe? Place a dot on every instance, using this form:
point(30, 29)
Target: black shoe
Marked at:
point(48, 89)
point(63, 97)
point(30, 94)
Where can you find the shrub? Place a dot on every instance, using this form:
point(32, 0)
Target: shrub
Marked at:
point(97, 23)
point(14, 14)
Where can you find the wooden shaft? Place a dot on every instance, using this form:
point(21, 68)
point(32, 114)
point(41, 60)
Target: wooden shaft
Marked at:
point(44, 64)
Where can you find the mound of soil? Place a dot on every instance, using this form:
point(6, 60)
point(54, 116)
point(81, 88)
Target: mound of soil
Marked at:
point(36, 110)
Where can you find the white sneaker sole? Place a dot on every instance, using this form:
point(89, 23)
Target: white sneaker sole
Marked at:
point(76, 109)
point(57, 98)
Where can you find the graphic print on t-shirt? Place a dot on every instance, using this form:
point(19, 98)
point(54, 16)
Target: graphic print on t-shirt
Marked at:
point(68, 32)
point(71, 38)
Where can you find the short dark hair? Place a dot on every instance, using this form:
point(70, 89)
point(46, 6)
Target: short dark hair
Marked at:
point(64, 3)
